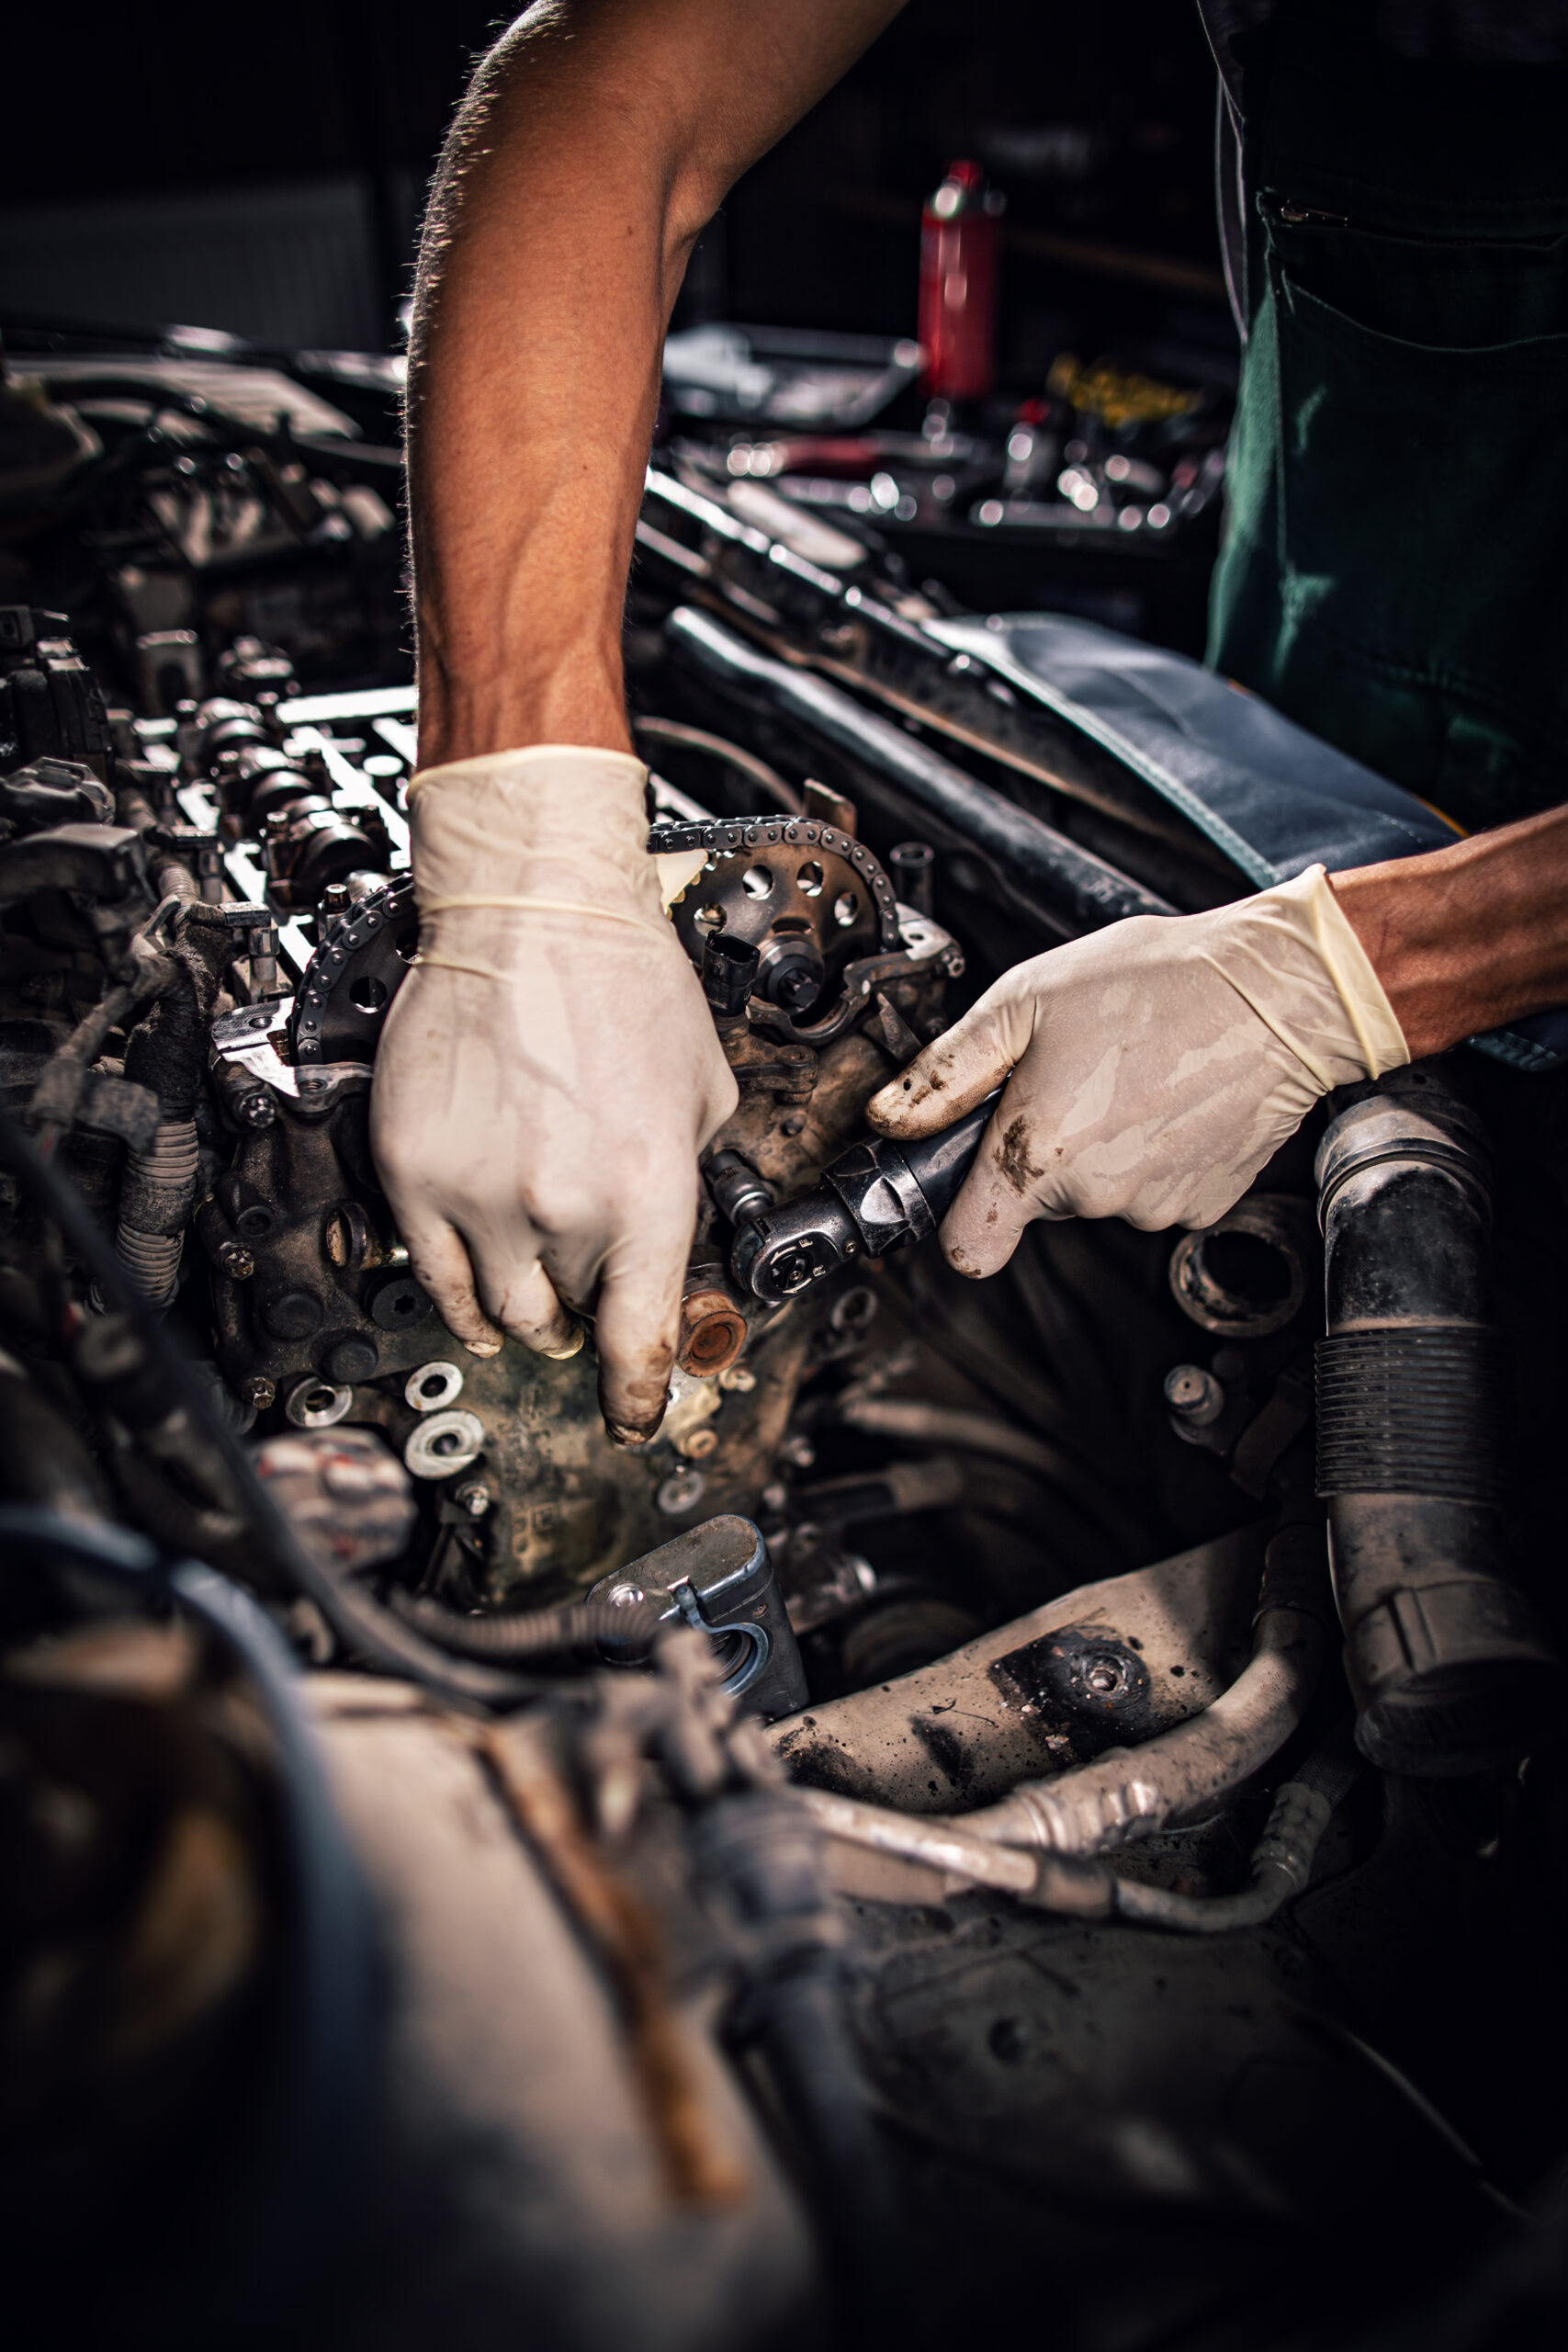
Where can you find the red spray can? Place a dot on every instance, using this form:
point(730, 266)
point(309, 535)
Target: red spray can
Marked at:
point(958, 286)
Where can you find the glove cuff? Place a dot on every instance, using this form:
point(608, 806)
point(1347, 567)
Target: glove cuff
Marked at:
point(554, 816)
point(537, 768)
point(1373, 1019)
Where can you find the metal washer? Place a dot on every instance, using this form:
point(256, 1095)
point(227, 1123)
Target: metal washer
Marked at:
point(443, 1443)
point(433, 1386)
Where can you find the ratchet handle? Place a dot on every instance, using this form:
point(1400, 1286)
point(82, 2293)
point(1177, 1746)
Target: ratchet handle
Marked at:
point(877, 1196)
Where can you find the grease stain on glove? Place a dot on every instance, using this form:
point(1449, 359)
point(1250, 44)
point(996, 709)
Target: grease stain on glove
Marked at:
point(1152, 1068)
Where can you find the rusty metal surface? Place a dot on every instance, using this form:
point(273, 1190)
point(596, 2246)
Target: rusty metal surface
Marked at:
point(524, 2176)
point(1022, 1701)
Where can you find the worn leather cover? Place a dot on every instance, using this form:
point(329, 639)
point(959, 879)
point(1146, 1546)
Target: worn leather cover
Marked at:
point(1271, 796)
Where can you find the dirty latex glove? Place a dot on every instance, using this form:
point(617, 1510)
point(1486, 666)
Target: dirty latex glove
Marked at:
point(549, 1071)
point(1154, 1066)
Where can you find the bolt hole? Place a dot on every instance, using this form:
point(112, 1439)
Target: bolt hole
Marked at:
point(368, 993)
point(1249, 1267)
point(757, 882)
point(846, 906)
point(809, 879)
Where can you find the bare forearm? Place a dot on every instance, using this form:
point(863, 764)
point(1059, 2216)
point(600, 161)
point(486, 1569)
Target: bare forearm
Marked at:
point(1469, 937)
point(598, 138)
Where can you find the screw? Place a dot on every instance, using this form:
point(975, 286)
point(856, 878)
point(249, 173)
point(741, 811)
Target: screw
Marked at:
point(475, 1497)
point(257, 1110)
point(1194, 1395)
point(237, 1262)
point(259, 1391)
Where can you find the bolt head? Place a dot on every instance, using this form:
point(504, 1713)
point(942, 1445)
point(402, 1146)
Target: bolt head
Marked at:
point(475, 1497)
point(352, 1359)
point(698, 1444)
point(1194, 1395)
point(681, 1491)
point(257, 1110)
point(236, 1262)
point(259, 1391)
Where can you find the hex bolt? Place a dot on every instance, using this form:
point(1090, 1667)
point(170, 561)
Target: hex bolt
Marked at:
point(474, 1497)
point(236, 1262)
point(257, 1110)
point(259, 1391)
point(1193, 1395)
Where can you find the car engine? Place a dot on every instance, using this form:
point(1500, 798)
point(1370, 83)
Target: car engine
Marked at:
point(1032, 1798)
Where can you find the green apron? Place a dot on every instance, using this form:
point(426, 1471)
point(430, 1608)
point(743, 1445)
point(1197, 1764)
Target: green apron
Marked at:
point(1394, 573)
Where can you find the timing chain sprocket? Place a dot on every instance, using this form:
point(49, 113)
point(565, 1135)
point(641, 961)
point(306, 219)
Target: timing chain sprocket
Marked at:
point(353, 976)
point(810, 898)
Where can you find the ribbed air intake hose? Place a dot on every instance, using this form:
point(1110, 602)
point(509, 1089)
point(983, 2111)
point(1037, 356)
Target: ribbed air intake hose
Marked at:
point(1449, 1666)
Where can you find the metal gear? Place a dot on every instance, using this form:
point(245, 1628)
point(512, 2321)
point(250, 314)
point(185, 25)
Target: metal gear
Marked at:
point(811, 898)
point(353, 976)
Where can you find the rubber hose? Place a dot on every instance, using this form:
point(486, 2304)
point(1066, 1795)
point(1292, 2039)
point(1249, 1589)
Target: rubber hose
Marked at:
point(537, 1634)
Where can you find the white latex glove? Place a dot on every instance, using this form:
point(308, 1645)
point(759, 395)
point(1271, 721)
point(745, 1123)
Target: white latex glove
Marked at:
point(548, 1073)
point(1154, 1066)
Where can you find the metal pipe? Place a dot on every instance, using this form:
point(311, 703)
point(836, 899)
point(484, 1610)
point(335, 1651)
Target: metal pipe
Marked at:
point(1281, 1862)
point(911, 1418)
point(941, 1844)
point(1083, 889)
point(1129, 1793)
point(1449, 1666)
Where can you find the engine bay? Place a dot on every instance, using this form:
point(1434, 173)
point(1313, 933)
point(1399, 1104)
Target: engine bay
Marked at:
point(954, 1875)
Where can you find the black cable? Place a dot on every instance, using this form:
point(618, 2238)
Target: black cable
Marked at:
point(531, 1633)
point(358, 1619)
point(333, 2028)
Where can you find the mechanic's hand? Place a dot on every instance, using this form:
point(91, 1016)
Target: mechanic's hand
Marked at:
point(549, 1073)
point(1155, 1067)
